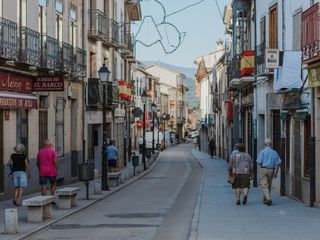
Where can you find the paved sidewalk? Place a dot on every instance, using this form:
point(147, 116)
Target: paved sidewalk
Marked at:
point(219, 218)
point(25, 229)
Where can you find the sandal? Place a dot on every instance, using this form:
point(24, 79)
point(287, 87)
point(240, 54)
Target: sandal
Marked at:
point(244, 201)
point(15, 202)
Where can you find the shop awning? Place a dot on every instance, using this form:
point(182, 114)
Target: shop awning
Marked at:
point(10, 100)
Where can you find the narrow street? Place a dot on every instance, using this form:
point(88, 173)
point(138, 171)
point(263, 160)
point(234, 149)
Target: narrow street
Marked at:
point(158, 206)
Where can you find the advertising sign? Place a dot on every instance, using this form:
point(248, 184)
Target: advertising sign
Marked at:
point(48, 83)
point(272, 58)
point(15, 83)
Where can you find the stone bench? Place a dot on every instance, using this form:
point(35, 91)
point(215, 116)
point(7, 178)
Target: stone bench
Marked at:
point(113, 179)
point(39, 207)
point(67, 197)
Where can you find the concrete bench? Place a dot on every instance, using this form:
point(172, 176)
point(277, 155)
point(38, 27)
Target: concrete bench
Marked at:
point(67, 197)
point(39, 207)
point(113, 179)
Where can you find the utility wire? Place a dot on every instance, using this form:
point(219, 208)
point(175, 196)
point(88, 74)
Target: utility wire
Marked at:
point(185, 8)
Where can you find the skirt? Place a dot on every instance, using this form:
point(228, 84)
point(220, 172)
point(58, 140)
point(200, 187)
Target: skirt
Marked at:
point(241, 181)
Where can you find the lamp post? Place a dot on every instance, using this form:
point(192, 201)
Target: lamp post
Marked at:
point(104, 78)
point(158, 116)
point(153, 108)
point(164, 116)
point(144, 99)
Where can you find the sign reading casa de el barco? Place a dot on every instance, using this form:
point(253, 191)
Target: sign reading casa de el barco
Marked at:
point(48, 83)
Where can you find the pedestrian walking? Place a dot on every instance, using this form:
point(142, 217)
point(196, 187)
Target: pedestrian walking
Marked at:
point(112, 156)
point(19, 165)
point(47, 165)
point(269, 162)
point(140, 143)
point(212, 147)
point(242, 167)
point(231, 176)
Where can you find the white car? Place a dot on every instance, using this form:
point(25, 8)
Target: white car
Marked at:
point(194, 134)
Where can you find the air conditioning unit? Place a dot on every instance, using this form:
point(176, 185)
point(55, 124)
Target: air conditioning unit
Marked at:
point(69, 91)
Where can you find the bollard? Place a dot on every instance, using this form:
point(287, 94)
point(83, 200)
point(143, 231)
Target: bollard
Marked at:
point(11, 221)
point(97, 186)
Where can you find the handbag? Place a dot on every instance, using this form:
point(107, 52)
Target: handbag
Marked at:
point(231, 178)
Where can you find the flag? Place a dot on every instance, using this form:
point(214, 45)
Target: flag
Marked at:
point(202, 71)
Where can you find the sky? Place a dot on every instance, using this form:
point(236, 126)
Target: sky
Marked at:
point(200, 26)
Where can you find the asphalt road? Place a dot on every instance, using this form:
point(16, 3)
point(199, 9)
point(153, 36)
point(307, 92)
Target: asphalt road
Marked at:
point(158, 206)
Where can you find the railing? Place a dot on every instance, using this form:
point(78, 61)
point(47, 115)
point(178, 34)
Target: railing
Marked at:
point(30, 46)
point(311, 33)
point(81, 61)
point(8, 39)
point(99, 25)
point(235, 66)
point(51, 54)
point(115, 32)
point(67, 56)
point(260, 56)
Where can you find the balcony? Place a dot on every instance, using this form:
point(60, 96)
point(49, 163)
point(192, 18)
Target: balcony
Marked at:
point(67, 57)
point(311, 34)
point(81, 62)
point(99, 28)
point(51, 54)
point(115, 32)
point(8, 39)
point(30, 47)
point(260, 58)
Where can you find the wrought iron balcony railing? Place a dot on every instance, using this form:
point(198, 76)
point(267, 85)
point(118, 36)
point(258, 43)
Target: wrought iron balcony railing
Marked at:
point(67, 57)
point(81, 61)
point(311, 34)
point(235, 67)
point(51, 57)
point(99, 25)
point(8, 39)
point(115, 32)
point(30, 47)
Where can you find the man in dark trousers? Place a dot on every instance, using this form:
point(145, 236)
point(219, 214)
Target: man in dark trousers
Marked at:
point(212, 147)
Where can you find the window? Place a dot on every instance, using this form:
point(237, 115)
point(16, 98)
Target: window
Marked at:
point(60, 127)
point(59, 12)
point(22, 128)
point(43, 120)
point(296, 33)
point(263, 30)
point(73, 25)
point(306, 162)
point(273, 27)
point(22, 13)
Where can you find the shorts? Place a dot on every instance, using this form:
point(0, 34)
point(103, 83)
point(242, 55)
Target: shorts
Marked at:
point(241, 181)
point(43, 180)
point(112, 163)
point(20, 179)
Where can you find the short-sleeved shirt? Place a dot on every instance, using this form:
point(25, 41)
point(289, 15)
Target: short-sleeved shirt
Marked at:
point(241, 163)
point(112, 152)
point(46, 158)
point(268, 158)
point(18, 162)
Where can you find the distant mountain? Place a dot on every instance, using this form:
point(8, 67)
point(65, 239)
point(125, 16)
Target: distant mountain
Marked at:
point(189, 72)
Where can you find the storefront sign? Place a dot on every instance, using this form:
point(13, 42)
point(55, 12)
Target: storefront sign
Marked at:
point(17, 102)
point(314, 77)
point(272, 58)
point(6, 115)
point(48, 83)
point(15, 83)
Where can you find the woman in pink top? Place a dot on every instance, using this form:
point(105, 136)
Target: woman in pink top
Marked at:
point(47, 164)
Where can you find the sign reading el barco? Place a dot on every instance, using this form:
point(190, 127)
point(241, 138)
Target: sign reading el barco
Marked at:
point(48, 83)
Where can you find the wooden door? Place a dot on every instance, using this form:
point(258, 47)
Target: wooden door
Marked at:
point(297, 161)
point(273, 27)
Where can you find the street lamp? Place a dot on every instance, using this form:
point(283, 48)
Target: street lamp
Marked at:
point(158, 116)
point(164, 116)
point(104, 78)
point(154, 109)
point(144, 98)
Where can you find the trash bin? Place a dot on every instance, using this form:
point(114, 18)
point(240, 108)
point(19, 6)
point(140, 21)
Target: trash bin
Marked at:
point(86, 172)
point(135, 160)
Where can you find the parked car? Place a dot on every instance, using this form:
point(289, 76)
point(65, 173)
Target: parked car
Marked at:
point(193, 134)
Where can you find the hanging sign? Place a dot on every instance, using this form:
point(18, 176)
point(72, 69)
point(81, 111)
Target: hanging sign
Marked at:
point(314, 77)
point(272, 58)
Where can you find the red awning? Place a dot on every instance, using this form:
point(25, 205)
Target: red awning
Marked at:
point(18, 101)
